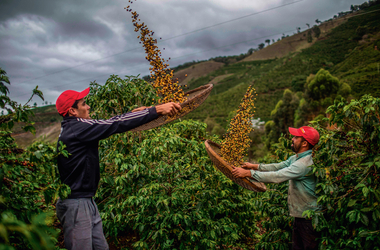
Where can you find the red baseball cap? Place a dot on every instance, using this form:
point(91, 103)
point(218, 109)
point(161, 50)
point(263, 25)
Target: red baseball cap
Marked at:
point(66, 100)
point(310, 134)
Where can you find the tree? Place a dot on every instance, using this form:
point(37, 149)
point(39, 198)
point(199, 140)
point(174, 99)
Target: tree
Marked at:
point(316, 31)
point(267, 41)
point(283, 114)
point(261, 46)
point(273, 41)
point(308, 25)
point(322, 85)
point(298, 83)
point(35, 104)
point(250, 51)
point(15, 112)
point(309, 36)
point(317, 21)
point(298, 29)
point(4, 79)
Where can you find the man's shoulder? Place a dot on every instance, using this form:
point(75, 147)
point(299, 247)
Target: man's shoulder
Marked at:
point(305, 161)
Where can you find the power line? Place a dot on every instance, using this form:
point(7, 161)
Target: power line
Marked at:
point(184, 34)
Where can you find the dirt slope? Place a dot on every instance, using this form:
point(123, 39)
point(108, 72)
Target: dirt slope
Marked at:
point(196, 71)
point(44, 132)
point(296, 42)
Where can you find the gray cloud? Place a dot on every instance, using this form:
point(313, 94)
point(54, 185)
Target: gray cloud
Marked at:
point(61, 45)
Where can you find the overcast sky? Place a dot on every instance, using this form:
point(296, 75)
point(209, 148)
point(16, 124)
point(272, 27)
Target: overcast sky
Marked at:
point(66, 44)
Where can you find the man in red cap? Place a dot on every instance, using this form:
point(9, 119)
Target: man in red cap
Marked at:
point(78, 214)
point(297, 170)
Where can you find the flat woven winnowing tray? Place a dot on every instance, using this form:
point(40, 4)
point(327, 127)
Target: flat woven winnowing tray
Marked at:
point(213, 150)
point(195, 98)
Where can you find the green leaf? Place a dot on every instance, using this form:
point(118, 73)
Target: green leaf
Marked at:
point(351, 216)
point(364, 219)
point(38, 154)
point(351, 202)
point(365, 191)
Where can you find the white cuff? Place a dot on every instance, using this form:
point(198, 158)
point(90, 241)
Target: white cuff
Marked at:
point(252, 172)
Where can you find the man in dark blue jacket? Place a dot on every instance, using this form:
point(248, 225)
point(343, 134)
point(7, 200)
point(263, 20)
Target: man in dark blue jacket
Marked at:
point(78, 214)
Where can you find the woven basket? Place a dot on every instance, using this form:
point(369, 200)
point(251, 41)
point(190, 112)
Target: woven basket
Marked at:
point(213, 150)
point(195, 98)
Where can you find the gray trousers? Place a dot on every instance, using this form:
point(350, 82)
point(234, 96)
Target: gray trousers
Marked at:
point(82, 225)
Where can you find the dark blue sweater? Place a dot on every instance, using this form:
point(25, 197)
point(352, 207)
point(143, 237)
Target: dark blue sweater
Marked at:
point(81, 170)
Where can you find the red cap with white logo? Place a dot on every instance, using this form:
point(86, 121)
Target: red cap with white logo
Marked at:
point(310, 134)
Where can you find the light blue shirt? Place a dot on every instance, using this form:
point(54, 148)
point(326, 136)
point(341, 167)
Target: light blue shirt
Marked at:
point(297, 170)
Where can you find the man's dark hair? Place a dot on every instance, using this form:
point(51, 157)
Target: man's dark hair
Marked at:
point(75, 105)
point(308, 143)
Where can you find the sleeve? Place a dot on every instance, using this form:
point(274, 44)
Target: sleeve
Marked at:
point(87, 130)
point(274, 166)
point(294, 171)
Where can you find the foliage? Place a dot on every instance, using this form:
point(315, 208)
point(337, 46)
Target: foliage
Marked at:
point(316, 31)
point(298, 83)
point(126, 95)
point(309, 37)
point(273, 206)
point(322, 86)
point(283, 114)
point(37, 234)
point(29, 184)
point(15, 112)
point(161, 184)
point(29, 187)
point(347, 164)
point(347, 161)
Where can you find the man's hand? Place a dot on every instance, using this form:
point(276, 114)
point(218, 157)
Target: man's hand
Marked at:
point(248, 165)
point(139, 109)
point(170, 108)
point(241, 172)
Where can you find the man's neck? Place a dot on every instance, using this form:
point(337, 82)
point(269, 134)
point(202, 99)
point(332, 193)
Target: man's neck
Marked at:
point(301, 151)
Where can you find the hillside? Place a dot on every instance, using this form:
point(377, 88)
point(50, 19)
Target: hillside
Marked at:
point(347, 50)
point(296, 42)
point(198, 70)
point(346, 47)
point(47, 123)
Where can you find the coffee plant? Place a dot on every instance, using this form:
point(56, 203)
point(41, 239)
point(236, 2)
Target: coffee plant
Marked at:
point(161, 185)
point(29, 182)
point(347, 164)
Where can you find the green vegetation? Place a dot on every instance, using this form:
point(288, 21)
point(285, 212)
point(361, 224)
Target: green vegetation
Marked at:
point(347, 164)
point(29, 182)
point(351, 60)
point(159, 189)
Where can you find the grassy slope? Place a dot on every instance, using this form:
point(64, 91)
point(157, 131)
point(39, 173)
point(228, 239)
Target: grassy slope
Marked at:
point(340, 52)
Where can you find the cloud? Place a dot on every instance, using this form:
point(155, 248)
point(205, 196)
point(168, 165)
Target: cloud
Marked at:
point(61, 45)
